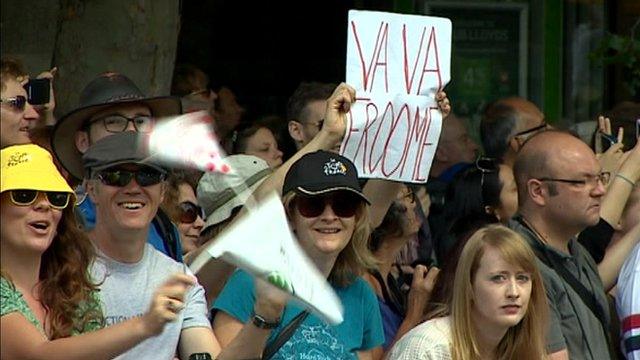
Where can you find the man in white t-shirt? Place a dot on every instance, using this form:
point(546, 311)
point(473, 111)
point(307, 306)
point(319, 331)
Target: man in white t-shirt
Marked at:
point(127, 191)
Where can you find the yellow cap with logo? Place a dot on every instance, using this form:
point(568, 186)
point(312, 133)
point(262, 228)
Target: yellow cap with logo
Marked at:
point(30, 167)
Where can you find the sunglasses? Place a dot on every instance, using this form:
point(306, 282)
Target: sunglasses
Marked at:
point(57, 199)
point(485, 165)
point(18, 102)
point(122, 178)
point(343, 204)
point(189, 212)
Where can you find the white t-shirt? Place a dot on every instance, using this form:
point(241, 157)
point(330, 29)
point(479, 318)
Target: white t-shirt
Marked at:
point(429, 340)
point(628, 302)
point(126, 291)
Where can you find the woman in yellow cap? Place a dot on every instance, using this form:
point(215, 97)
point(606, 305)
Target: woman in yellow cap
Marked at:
point(47, 296)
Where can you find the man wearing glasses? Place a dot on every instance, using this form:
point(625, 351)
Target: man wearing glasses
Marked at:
point(17, 116)
point(112, 104)
point(560, 190)
point(506, 124)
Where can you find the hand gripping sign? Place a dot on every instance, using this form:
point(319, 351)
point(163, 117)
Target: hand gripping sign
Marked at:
point(275, 256)
point(397, 63)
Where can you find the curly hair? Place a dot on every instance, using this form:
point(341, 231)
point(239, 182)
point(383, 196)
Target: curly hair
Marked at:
point(177, 177)
point(10, 69)
point(65, 282)
point(356, 258)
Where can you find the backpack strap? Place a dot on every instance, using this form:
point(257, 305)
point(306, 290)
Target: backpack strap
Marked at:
point(164, 226)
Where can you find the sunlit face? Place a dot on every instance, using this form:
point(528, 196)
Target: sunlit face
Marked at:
point(27, 229)
point(189, 232)
point(264, 145)
point(127, 208)
point(14, 122)
point(501, 292)
point(508, 195)
point(323, 235)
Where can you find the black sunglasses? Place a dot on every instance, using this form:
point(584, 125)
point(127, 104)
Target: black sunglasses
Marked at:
point(18, 102)
point(121, 178)
point(343, 204)
point(57, 199)
point(485, 165)
point(189, 212)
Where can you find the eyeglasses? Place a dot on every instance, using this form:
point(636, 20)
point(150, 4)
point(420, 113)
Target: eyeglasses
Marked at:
point(410, 195)
point(121, 178)
point(57, 199)
point(344, 204)
point(533, 130)
point(591, 180)
point(189, 212)
point(18, 102)
point(118, 123)
point(485, 165)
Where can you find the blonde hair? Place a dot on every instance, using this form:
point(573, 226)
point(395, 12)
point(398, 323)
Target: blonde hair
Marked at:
point(526, 340)
point(356, 258)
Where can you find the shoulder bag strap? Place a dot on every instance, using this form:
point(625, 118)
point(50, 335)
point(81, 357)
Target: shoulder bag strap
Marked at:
point(284, 336)
point(588, 298)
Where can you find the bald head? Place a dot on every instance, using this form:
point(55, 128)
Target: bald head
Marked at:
point(527, 112)
point(504, 118)
point(552, 154)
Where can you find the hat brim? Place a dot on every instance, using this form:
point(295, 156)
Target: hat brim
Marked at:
point(223, 212)
point(63, 137)
point(129, 161)
point(309, 192)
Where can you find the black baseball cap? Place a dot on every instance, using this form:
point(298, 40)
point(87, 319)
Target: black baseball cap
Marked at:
point(321, 172)
point(127, 147)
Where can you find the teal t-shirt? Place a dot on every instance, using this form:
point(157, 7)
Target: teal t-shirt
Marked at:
point(314, 339)
point(11, 300)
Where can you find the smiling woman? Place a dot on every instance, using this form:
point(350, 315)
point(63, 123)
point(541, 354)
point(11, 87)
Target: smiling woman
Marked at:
point(329, 215)
point(46, 292)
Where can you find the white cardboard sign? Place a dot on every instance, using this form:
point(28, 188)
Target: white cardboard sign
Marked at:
point(397, 63)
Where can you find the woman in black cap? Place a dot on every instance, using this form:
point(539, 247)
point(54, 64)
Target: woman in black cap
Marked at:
point(329, 215)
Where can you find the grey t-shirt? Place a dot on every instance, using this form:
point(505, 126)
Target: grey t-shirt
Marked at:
point(126, 291)
point(572, 324)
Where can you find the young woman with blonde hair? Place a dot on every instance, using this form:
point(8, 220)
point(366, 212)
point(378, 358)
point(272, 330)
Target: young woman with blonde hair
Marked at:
point(498, 308)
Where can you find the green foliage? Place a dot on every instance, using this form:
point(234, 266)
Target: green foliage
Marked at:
point(623, 51)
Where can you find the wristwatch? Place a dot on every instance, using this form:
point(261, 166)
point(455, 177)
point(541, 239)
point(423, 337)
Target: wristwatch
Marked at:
point(262, 323)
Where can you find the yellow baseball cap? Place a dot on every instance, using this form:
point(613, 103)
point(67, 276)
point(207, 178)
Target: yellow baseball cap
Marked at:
point(30, 167)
